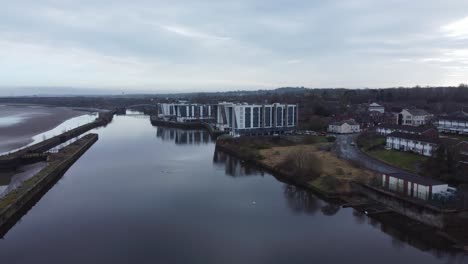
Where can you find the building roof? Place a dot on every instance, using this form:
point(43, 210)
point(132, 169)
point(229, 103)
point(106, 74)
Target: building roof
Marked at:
point(416, 179)
point(413, 129)
point(414, 137)
point(417, 112)
point(350, 122)
point(375, 105)
point(456, 116)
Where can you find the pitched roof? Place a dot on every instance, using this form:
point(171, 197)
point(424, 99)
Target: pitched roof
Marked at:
point(350, 122)
point(414, 137)
point(416, 179)
point(375, 105)
point(417, 112)
point(456, 116)
point(414, 129)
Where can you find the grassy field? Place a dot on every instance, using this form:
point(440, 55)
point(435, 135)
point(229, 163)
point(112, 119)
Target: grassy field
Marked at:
point(336, 173)
point(405, 160)
point(371, 142)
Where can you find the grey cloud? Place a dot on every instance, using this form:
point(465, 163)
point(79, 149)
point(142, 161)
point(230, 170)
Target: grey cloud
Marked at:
point(243, 42)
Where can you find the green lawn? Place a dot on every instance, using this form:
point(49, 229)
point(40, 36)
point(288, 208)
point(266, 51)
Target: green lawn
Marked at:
point(405, 160)
point(368, 143)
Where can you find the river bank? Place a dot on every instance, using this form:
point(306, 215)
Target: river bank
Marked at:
point(343, 181)
point(333, 180)
point(15, 201)
point(20, 123)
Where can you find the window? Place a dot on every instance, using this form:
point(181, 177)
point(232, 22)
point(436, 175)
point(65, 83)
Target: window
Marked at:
point(247, 117)
point(290, 115)
point(267, 116)
point(183, 111)
point(261, 116)
point(230, 117)
point(279, 116)
point(256, 115)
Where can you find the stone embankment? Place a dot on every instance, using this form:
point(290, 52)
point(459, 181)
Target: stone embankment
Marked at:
point(15, 204)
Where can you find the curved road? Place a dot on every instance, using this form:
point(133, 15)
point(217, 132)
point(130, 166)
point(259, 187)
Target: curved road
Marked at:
point(348, 151)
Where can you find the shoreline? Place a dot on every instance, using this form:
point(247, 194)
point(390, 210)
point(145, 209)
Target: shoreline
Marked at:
point(33, 120)
point(353, 199)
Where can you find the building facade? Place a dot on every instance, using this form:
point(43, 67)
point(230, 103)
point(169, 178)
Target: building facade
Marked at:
point(414, 186)
point(256, 119)
point(411, 143)
point(186, 112)
point(456, 123)
point(344, 127)
point(414, 117)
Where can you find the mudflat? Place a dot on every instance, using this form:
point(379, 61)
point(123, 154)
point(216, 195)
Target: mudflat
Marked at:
point(19, 123)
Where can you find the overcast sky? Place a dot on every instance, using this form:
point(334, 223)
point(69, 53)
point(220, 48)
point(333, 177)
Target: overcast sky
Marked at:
point(201, 45)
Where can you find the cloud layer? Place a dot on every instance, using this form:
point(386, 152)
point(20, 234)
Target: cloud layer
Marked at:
point(244, 44)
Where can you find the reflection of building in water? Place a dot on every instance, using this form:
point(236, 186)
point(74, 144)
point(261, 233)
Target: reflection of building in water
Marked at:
point(233, 166)
point(180, 136)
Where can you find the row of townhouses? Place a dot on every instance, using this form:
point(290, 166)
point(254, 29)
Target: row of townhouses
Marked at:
point(453, 123)
point(415, 143)
point(236, 119)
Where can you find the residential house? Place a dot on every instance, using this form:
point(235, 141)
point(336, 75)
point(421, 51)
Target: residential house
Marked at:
point(426, 131)
point(390, 118)
point(412, 143)
point(456, 123)
point(344, 127)
point(256, 119)
point(413, 185)
point(414, 117)
point(375, 107)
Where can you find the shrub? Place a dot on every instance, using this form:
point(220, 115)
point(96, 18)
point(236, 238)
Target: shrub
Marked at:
point(310, 140)
point(302, 164)
point(330, 182)
point(339, 171)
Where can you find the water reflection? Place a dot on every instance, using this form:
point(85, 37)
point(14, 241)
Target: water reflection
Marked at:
point(10, 180)
point(181, 136)
point(233, 166)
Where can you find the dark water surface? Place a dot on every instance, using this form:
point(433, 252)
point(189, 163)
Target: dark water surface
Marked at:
point(144, 194)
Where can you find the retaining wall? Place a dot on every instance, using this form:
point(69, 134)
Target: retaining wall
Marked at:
point(48, 176)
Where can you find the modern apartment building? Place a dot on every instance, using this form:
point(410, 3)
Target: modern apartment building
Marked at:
point(256, 119)
point(186, 112)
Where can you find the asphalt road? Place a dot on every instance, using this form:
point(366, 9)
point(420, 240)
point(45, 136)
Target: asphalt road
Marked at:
point(348, 151)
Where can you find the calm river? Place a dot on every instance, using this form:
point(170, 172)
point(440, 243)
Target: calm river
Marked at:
point(144, 194)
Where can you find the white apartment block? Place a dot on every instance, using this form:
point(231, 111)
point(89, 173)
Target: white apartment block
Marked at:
point(256, 119)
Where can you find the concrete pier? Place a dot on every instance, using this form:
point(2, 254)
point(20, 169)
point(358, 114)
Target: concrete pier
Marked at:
point(15, 204)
